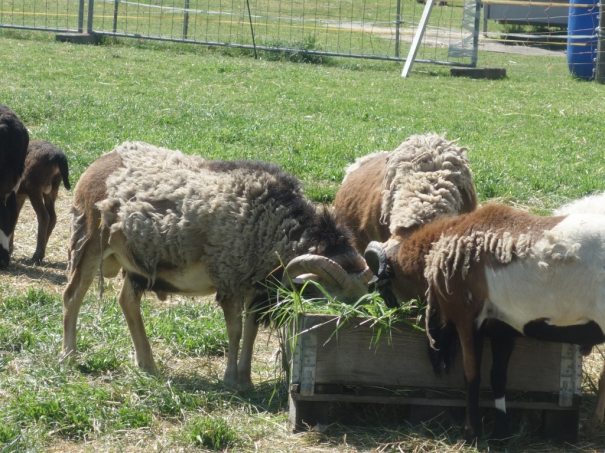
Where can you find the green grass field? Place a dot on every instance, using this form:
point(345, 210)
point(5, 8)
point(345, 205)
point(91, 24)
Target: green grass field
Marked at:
point(534, 140)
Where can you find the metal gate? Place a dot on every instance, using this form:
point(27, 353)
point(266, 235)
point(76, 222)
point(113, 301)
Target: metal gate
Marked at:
point(378, 29)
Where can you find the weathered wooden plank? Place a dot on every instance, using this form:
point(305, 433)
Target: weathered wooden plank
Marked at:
point(402, 361)
point(441, 402)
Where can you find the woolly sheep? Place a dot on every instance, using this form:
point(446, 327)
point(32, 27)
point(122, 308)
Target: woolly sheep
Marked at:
point(425, 177)
point(179, 224)
point(14, 139)
point(538, 275)
point(592, 204)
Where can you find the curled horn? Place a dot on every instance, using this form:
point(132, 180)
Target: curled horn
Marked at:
point(354, 285)
point(376, 258)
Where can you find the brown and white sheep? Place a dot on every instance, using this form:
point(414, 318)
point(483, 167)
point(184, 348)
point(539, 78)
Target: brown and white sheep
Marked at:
point(425, 177)
point(178, 224)
point(14, 139)
point(533, 274)
point(45, 168)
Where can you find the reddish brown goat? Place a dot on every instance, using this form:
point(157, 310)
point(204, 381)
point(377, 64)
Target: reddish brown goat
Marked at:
point(45, 168)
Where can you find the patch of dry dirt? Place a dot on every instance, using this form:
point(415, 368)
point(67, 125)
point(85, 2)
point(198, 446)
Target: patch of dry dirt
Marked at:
point(51, 274)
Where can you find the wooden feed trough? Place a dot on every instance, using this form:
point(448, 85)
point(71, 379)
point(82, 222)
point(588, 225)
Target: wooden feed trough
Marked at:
point(348, 367)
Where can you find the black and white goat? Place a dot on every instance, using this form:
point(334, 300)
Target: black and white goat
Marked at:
point(13, 150)
point(178, 224)
point(504, 271)
point(45, 168)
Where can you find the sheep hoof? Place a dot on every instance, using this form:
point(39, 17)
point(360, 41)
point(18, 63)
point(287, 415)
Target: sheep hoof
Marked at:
point(37, 258)
point(469, 436)
point(246, 383)
point(590, 425)
point(502, 429)
point(150, 368)
point(68, 358)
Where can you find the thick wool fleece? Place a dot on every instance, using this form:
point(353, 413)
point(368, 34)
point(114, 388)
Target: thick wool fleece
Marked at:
point(176, 210)
point(426, 177)
point(592, 204)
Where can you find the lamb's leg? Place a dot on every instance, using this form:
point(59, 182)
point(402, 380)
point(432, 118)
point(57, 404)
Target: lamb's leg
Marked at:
point(472, 349)
point(130, 302)
point(37, 203)
point(503, 343)
point(80, 280)
point(597, 415)
point(49, 203)
point(233, 319)
point(244, 366)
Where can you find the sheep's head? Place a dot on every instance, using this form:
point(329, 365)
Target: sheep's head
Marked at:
point(345, 278)
point(394, 276)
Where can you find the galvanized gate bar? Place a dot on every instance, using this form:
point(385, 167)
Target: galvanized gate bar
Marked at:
point(418, 38)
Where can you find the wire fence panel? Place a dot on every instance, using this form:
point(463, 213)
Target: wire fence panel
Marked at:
point(380, 29)
point(537, 34)
point(547, 36)
point(50, 15)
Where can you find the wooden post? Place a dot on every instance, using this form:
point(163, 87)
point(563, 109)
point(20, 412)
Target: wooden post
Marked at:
point(600, 63)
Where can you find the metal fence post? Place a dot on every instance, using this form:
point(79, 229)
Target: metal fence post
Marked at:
point(81, 17)
point(91, 7)
point(186, 19)
point(115, 15)
point(397, 22)
point(476, 34)
point(600, 63)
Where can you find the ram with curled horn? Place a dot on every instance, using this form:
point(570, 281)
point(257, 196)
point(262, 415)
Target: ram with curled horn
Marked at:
point(179, 224)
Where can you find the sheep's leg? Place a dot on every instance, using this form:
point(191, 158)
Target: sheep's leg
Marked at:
point(503, 343)
point(244, 366)
point(81, 279)
point(37, 203)
point(49, 204)
point(130, 302)
point(597, 415)
point(472, 349)
point(233, 319)
point(20, 202)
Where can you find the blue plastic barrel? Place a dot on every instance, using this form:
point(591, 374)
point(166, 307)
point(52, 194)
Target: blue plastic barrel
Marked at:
point(581, 52)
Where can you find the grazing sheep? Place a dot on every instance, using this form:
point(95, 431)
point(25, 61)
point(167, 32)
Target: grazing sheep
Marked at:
point(45, 167)
point(13, 150)
point(541, 276)
point(425, 177)
point(179, 224)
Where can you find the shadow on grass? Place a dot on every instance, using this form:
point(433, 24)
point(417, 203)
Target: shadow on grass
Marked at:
point(270, 396)
point(53, 272)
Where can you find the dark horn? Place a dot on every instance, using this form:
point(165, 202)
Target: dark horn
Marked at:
point(376, 258)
